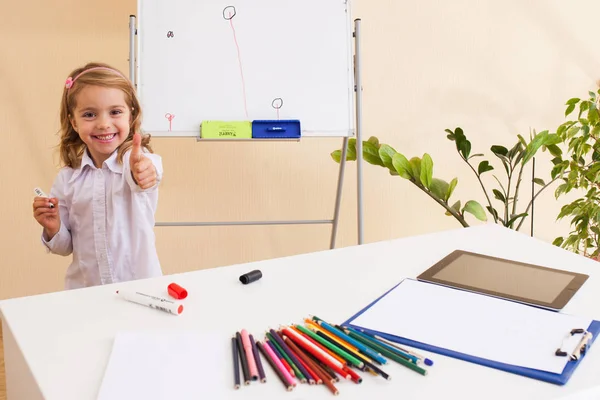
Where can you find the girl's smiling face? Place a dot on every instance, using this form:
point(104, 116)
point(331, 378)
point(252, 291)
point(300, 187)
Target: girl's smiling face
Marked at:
point(102, 119)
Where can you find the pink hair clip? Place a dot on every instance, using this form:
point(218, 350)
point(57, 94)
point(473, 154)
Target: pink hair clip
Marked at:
point(70, 80)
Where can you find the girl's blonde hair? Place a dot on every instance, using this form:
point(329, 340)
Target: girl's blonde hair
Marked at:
point(71, 146)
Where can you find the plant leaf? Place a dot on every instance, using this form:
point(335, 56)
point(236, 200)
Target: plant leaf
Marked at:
point(402, 166)
point(336, 155)
point(439, 188)
point(386, 153)
point(539, 181)
point(475, 208)
point(427, 171)
point(499, 150)
point(554, 150)
point(498, 194)
point(484, 166)
point(573, 100)
point(455, 207)
point(569, 109)
point(374, 141)
point(451, 187)
point(515, 218)
point(371, 154)
point(534, 146)
point(415, 165)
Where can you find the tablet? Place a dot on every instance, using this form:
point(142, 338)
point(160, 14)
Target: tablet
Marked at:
point(525, 283)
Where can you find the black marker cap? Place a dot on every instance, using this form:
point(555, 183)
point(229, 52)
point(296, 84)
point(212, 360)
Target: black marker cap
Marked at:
point(251, 277)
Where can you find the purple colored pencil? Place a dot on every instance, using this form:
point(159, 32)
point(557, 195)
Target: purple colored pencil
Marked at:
point(261, 371)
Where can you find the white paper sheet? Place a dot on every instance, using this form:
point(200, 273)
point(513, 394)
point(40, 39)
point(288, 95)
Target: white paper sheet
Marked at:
point(162, 365)
point(474, 324)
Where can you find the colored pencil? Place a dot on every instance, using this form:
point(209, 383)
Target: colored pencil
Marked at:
point(359, 356)
point(354, 376)
point(327, 382)
point(345, 355)
point(305, 344)
point(261, 371)
point(275, 350)
point(364, 349)
point(244, 362)
point(420, 357)
point(391, 348)
point(315, 379)
point(288, 377)
point(400, 360)
point(285, 359)
point(274, 366)
point(291, 354)
point(323, 332)
point(369, 366)
point(236, 364)
point(329, 372)
point(319, 346)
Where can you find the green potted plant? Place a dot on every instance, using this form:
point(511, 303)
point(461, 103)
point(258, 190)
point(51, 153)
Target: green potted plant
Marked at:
point(579, 169)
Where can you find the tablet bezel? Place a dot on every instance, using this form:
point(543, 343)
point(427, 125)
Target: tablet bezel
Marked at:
point(559, 302)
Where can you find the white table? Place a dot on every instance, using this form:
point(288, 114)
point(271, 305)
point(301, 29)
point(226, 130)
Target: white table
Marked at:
point(57, 345)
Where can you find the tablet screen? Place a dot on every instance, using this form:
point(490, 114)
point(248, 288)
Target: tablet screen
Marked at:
point(504, 278)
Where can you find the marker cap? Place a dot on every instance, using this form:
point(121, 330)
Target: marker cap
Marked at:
point(176, 291)
point(251, 277)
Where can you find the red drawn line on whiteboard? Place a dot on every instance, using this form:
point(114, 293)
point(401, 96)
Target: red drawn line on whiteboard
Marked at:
point(237, 46)
point(170, 118)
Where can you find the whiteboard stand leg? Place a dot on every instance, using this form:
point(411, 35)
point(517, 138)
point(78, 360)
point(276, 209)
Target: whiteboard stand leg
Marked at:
point(359, 146)
point(132, 33)
point(338, 196)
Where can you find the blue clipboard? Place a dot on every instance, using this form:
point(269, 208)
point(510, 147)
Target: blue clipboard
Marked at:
point(558, 379)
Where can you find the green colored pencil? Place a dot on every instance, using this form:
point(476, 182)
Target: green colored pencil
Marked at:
point(344, 354)
point(297, 371)
point(375, 346)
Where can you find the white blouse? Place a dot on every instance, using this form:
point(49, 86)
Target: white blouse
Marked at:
point(107, 223)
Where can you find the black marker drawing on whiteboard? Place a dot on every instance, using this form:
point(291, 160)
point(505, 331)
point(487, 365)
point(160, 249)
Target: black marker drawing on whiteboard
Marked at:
point(277, 103)
point(228, 13)
point(170, 34)
point(170, 118)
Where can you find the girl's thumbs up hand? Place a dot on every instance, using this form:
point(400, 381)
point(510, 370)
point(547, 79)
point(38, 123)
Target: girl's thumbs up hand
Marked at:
point(142, 169)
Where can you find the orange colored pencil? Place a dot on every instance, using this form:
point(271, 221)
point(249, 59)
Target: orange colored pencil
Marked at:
point(348, 347)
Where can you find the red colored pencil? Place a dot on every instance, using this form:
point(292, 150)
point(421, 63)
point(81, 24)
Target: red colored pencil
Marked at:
point(305, 344)
point(327, 382)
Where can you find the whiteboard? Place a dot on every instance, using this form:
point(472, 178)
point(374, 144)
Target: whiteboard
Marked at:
point(241, 60)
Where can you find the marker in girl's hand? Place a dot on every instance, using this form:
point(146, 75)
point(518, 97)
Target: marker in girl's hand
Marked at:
point(39, 192)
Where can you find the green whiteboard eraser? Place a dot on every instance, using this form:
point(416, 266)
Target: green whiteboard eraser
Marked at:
point(226, 130)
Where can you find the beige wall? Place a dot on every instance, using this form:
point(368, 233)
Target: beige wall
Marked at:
point(494, 68)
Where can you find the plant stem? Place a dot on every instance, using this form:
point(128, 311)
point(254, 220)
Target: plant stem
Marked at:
point(452, 211)
point(482, 187)
point(509, 175)
point(514, 209)
point(534, 197)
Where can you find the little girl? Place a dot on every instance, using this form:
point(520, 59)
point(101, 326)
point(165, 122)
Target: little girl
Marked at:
point(105, 197)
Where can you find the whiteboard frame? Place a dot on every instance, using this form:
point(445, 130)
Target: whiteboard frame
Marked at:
point(351, 83)
point(356, 112)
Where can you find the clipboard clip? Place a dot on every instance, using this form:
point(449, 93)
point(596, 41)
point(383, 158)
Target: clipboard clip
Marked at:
point(581, 347)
